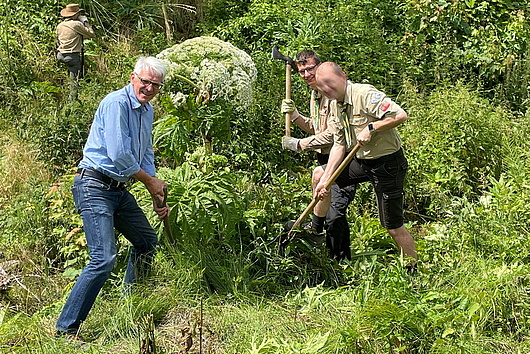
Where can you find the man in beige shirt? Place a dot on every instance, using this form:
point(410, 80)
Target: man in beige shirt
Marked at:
point(361, 113)
point(70, 35)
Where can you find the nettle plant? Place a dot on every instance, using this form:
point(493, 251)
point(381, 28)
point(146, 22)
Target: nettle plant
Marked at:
point(208, 85)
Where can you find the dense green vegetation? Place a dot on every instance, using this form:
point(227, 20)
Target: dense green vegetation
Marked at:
point(461, 69)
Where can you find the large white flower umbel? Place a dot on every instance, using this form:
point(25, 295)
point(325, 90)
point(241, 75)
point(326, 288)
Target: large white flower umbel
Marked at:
point(208, 85)
point(217, 70)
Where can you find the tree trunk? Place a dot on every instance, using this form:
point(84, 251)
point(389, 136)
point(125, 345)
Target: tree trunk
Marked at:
point(166, 22)
point(208, 150)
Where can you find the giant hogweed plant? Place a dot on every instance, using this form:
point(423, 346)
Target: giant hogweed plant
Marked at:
point(209, 83)
point(206, 217)
point(204, 206)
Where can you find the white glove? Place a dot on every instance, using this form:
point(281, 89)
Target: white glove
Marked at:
point(83, 19)
point(289, 143)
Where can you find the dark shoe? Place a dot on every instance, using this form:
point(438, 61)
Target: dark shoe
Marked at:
point(307, 233)
point(315, 239)
point(411, 268)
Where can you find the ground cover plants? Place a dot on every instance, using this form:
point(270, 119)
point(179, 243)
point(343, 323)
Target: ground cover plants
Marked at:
point(223, 285)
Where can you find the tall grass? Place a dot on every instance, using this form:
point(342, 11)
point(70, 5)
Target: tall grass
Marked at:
point(223, 278)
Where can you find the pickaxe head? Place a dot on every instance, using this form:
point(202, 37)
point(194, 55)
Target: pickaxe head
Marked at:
point(277, 55)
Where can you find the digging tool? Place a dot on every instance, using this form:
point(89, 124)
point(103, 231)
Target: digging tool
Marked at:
point(289, 64)
point(161, 204)
point(315, 200)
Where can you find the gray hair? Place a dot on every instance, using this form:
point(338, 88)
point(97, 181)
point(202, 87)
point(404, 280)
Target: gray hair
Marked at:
point(151, 64)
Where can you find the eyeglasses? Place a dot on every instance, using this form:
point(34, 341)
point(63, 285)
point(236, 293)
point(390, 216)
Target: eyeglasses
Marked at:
point(307, 70)
point(145, 82)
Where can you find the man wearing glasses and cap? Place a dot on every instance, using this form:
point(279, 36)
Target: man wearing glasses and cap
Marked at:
point(70, 35)
point(118, 149)
point(321, 140)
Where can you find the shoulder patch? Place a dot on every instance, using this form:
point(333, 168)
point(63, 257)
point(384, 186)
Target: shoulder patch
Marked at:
point(384, 106)
point(376, 97)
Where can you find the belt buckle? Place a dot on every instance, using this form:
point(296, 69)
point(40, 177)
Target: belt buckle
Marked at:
point(118, 184)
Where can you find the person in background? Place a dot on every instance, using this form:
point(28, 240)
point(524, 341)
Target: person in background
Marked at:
point(71, 33)
point(118, 149)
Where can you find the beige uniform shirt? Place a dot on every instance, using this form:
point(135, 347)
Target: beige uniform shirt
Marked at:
point(363, 104)
point(317, 124)
point(70, 34)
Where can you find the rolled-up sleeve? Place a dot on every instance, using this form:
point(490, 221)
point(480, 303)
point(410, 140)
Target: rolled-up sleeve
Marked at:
point(317, 141)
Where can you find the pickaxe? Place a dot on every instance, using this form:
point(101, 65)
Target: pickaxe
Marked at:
point(289, 63)
point(315, 200)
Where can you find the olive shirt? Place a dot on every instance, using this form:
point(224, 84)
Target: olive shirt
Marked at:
point(362, 105)
point(70, 34)
point(316, 124)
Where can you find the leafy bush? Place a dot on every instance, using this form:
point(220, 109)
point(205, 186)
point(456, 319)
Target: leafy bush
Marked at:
point(452, 142)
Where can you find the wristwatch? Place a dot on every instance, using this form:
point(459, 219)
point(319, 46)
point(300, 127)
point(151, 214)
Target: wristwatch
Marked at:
point(371, 128)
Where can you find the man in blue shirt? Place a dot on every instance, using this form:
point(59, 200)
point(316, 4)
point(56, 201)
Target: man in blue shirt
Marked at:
point(118, 149)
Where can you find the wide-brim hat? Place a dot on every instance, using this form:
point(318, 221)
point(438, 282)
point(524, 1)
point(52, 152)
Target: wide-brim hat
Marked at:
point(70, 10)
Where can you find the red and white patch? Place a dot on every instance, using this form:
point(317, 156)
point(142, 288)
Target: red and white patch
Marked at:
point(385, 106)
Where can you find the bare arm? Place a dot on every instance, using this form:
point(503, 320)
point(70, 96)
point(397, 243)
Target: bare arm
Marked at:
point(388, 122)
point(155, 187)
point(335, 158)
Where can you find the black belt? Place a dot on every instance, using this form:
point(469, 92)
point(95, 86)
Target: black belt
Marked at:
point(389, 157)
point(103, 178)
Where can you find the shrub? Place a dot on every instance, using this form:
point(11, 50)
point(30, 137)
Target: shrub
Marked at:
point(452, 143)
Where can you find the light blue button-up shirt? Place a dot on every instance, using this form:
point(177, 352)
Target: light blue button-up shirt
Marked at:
point(120, 142)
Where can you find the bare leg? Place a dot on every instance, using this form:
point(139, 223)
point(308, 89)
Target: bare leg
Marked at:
point(322, 206)
point(404, 241)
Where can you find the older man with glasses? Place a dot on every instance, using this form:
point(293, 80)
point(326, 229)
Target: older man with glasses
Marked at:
point(118, 150)
point(321, 140)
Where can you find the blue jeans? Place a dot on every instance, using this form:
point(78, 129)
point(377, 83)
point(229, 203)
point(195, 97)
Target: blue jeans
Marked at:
point(103, 209)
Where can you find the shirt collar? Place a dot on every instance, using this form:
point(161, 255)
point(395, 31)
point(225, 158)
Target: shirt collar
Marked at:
point(135, 104)
point(347, 95)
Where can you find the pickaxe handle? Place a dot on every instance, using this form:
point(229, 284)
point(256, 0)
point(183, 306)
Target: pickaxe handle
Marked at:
point(161, 204)
point(328, 184)
point(288, 97)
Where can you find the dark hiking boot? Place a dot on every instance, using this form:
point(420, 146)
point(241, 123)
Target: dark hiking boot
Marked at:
point(307, 233)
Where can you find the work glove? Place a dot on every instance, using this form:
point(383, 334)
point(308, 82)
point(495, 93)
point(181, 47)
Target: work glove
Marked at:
point(83, 19)
point(289, 143)
point(289, 107)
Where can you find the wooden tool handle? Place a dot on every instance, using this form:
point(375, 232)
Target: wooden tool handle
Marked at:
point(331, 180)
point(288, 97)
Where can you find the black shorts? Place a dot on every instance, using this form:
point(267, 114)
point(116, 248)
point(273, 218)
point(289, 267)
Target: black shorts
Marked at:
point(387, 175)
